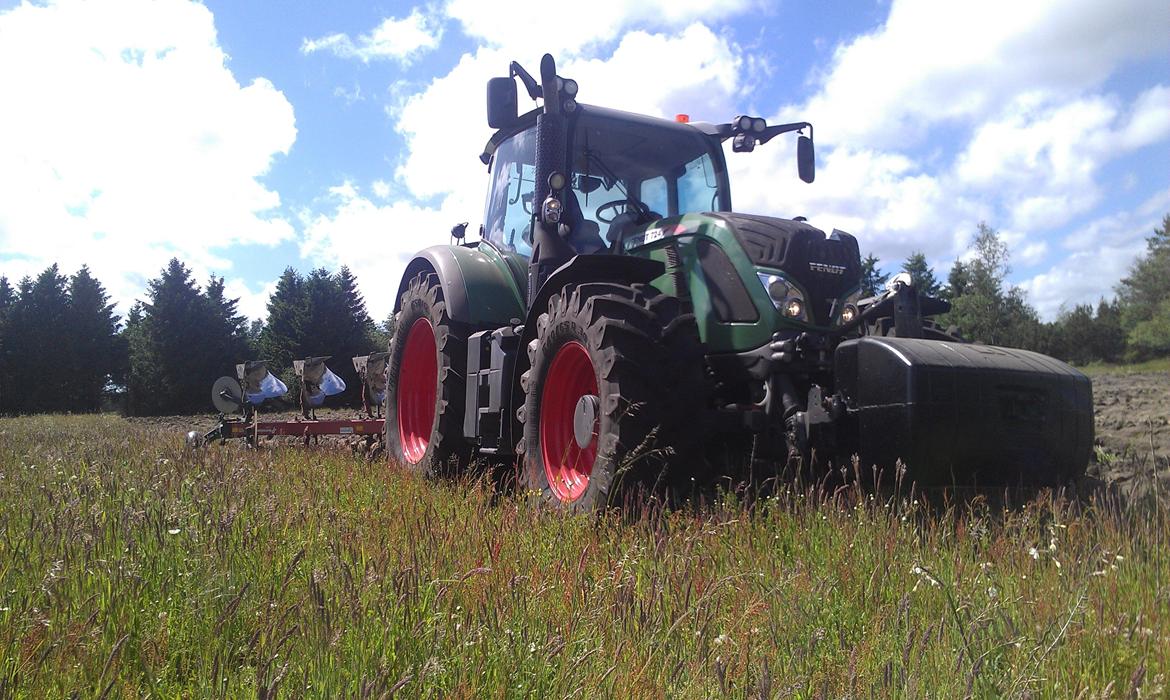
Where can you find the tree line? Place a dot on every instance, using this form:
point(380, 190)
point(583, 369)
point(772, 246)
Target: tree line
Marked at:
point(63, 349)
point(1133, 325)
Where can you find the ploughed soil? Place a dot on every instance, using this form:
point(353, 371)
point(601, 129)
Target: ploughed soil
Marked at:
point(1132, 457)
point(1133, 433)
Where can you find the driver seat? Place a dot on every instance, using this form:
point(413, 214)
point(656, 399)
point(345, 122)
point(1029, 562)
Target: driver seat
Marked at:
point(625, 221)
point(585, 234)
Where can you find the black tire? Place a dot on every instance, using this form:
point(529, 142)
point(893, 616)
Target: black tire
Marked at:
point(441, 451)
point(646, 365)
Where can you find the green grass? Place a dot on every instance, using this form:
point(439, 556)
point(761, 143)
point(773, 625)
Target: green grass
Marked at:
point(1161, 364)
point(129, 567)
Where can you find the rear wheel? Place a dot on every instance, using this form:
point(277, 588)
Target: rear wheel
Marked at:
point(614, 394)
point(424, 393)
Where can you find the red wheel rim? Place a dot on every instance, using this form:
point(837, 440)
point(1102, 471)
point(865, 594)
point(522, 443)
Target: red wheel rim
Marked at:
point(566, 465)
point(418, 379)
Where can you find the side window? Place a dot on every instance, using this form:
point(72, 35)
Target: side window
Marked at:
point(654, 195)
point(698, 188)
point(508, 218)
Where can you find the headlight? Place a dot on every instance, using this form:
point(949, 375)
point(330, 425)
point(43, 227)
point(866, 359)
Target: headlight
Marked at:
point(785, 296)
point(849, 308)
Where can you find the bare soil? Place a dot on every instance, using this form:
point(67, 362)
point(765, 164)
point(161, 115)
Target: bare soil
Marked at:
point(1133, 434)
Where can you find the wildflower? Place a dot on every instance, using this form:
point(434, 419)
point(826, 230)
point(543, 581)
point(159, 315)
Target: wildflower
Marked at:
point(992, 592)
point(722, 639)
point(924, 574)
point(1033, 552)
point(174, 531)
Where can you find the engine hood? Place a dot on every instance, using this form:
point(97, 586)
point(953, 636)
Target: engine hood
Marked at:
point(827, 266)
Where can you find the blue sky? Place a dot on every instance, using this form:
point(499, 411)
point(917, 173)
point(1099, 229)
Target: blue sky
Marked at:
point(244, 137)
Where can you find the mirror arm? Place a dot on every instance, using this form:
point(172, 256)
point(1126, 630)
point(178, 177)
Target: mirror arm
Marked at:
point(530, 84)
point(773, 131)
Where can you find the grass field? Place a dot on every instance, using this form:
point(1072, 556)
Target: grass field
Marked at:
point(130, 567)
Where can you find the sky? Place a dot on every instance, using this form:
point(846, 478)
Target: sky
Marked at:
point(247, 137)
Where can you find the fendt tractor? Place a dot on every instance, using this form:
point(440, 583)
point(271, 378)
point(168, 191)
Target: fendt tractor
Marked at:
point(617, 317)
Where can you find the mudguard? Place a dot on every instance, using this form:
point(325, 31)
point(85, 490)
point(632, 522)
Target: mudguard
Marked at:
point(478, 286)
point(956, 413)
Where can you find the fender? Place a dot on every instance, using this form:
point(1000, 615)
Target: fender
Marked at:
point(478, 288)
point(624, 269)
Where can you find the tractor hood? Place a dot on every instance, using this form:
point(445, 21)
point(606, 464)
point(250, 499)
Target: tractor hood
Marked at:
point(826, 267)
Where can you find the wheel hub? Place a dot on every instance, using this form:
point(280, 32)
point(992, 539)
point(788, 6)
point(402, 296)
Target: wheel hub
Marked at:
point(584, 419)
point(568, 421)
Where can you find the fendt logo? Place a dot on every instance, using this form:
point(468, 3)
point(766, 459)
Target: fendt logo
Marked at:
point(827, 268)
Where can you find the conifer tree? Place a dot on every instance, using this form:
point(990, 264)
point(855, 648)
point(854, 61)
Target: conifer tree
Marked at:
point(922, 274)
point(7, 299)
point(873, 280)
point(1145, 298)
point(92, 341)
point(281, 338)
point(39, 359)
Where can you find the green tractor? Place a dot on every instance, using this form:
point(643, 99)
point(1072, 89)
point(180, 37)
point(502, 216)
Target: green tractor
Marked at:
point(616, 317)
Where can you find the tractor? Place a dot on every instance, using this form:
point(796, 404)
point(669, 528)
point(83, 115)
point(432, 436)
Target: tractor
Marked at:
point(616, 317)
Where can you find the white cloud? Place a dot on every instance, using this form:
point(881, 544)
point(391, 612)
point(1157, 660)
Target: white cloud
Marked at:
point(253, 304)
point(1016, 86)
point(133, 142)
point(402, 40)
point(374, 240)
point(944, 61)
point(512, 24)
point(1102, 252)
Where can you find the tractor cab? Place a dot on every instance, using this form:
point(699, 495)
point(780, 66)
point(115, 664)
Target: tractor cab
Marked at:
point(623, 170)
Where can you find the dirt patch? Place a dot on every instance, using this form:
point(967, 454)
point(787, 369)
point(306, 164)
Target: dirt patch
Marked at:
point(1133, 433)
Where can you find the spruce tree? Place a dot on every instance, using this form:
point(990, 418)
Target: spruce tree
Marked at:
point(38, 352)
point(873, 280)
point(922, 274)
point(92, 341)
point(7, 299)
point(226, 330)
point(282, 337)
point(180, 341)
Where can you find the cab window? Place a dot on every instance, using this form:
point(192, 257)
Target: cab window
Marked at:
point(508, 218)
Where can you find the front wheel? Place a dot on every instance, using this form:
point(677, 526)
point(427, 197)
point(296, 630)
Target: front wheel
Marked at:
point(613, 394)
point(424, 393)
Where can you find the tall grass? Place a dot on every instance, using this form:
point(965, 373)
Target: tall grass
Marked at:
point(129, 566)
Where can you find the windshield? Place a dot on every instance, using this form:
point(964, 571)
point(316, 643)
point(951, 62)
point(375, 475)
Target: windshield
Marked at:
point(626, 170)
point(623, 163)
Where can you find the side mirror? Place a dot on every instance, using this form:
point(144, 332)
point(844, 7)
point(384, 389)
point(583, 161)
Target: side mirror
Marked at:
point(806, 160)
point(501, 102)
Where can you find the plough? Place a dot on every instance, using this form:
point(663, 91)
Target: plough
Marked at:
point(239, 398)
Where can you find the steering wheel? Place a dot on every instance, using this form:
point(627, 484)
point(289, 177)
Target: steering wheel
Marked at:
point(639, 208)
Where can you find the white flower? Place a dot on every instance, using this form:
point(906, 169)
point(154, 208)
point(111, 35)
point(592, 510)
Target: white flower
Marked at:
point(174, 531)
point(1034, 553)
